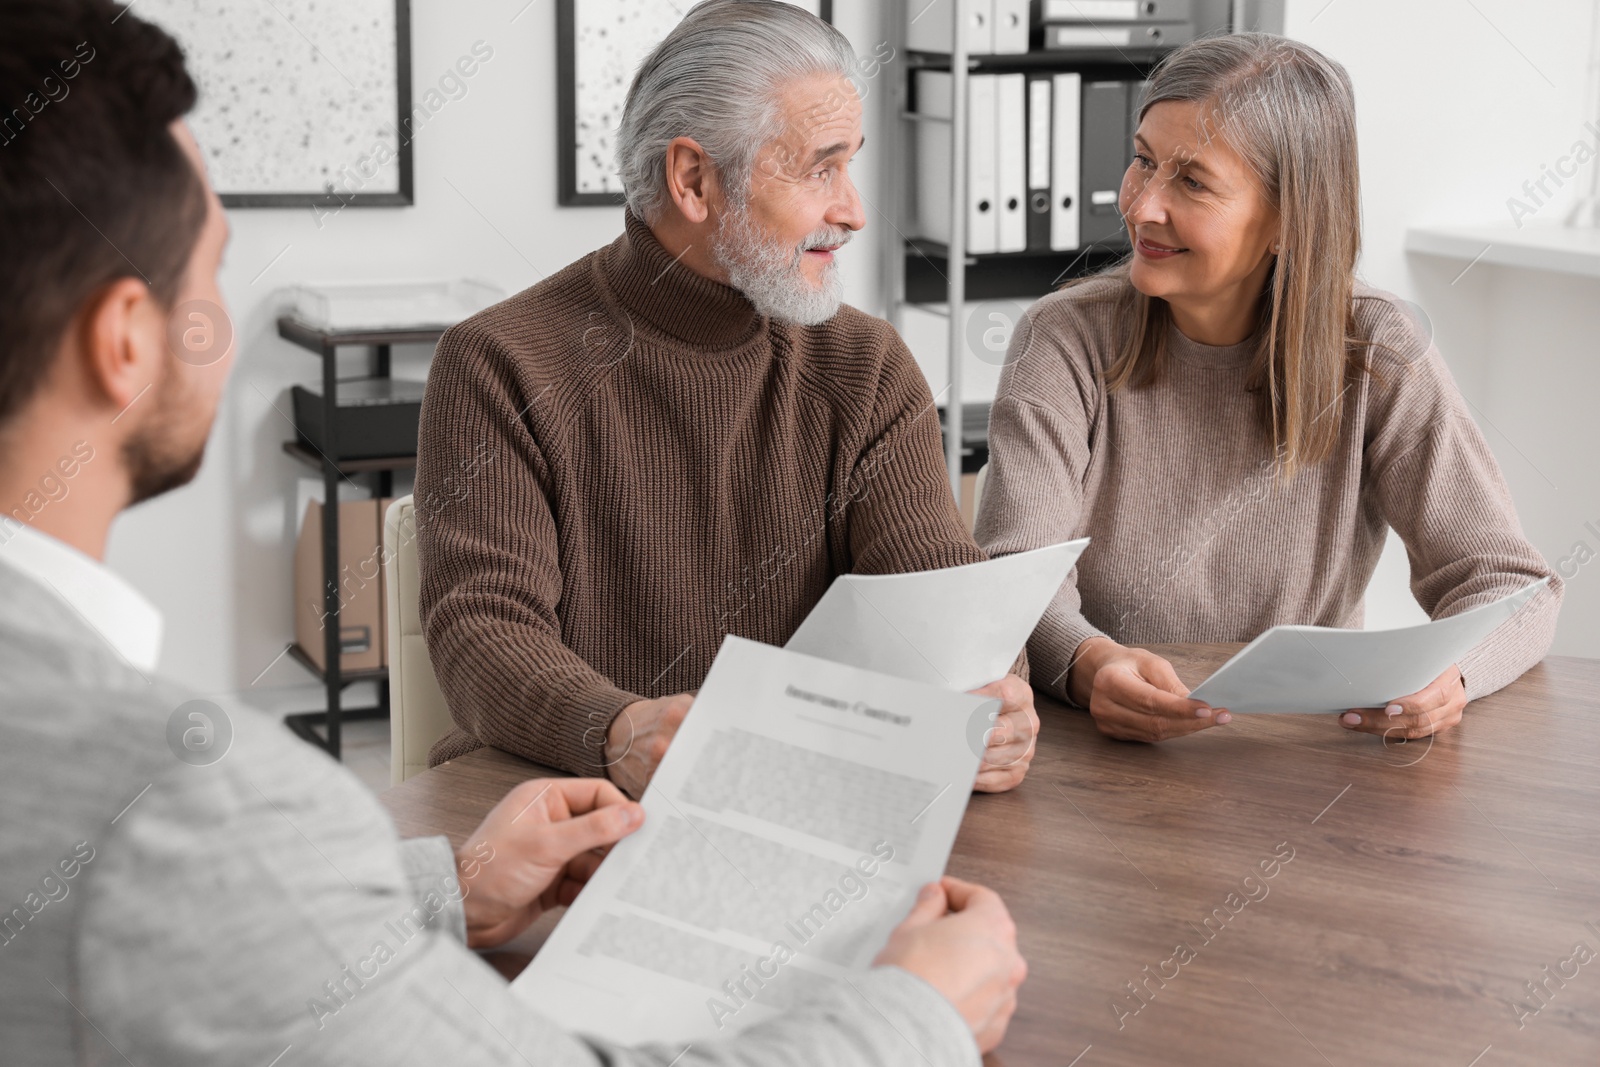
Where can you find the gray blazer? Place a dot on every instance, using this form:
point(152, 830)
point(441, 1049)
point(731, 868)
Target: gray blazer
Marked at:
point(260, 910)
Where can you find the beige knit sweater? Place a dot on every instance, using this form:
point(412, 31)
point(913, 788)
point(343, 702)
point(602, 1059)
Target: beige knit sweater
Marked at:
point(624, 463)
point(1196, 538)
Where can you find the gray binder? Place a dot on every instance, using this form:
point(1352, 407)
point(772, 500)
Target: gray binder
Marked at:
point(1107, 149)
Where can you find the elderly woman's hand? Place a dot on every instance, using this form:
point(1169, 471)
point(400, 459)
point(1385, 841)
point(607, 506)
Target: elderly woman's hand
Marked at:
point(1431, 710)
point(1134, 695)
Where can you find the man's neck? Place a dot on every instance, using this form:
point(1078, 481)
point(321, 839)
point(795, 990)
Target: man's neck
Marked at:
point(61, 479)
point(689, 243)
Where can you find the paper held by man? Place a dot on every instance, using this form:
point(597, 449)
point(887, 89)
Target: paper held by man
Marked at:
point(960, 627)
point(808, 795)
point(787, 830)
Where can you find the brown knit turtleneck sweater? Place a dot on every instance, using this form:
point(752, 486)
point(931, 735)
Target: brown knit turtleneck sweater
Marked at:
point(624, 463)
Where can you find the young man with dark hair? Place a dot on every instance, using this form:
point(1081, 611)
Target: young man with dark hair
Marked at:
point(181, 886)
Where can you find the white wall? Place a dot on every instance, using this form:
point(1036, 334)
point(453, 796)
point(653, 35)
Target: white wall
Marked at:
point(1456, 111)
point(1452, 122)
point(1459, 105)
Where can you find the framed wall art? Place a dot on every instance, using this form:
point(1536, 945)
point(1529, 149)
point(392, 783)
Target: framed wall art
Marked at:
point(302, 103)
point(599, 46)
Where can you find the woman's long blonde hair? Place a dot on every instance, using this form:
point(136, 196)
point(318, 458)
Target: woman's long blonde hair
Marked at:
point(1289, 111)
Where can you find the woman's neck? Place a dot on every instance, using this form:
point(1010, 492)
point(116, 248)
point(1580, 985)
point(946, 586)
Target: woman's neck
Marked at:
point(1215, 322)
point(1227, 317)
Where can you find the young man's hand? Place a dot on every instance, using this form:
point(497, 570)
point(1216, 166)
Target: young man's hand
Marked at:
point(959, 938)
point(536, 849)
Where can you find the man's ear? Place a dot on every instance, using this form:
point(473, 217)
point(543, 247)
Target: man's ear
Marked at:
point(123, 334)
point(691, 178)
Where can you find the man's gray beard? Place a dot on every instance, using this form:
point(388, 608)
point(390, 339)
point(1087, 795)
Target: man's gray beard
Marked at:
point(770, 274)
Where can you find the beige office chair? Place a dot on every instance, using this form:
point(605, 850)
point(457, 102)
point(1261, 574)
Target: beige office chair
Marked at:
point(417, 713)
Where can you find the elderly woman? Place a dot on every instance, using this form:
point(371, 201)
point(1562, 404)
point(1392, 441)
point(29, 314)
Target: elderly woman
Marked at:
point(1236, 420)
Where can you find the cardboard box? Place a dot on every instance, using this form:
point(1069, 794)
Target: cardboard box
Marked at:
point(361, 592)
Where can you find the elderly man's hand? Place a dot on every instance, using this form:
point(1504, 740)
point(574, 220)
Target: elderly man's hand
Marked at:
point(535, 850)
point(1011, 743)
point(638, 738)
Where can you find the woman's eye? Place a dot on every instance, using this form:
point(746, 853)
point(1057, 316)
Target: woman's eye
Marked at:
point(1142, 160)
point(1192, 183)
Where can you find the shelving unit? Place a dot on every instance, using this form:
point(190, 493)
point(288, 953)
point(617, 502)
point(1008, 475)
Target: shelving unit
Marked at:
point(1535, 246)
point(918, 272)
point(336, 468)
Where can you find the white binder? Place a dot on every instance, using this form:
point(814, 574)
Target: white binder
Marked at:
point(928, 25)
point(1011, 110)
point(1010, 26)
point(1066, 114)
point(983, 169)
point(935, 158)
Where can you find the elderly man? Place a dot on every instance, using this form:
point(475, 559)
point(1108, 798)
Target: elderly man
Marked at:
point(684, 434)
point(181, 886)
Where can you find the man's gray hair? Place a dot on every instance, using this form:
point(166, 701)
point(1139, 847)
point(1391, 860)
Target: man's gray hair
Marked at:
point(715, 78)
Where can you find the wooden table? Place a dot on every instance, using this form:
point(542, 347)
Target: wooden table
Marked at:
point(1429, 882)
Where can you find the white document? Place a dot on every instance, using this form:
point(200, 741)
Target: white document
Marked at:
point(1314, 669)
point(787, 830)
point(960, 627)
point(1067, 176)
point(1011, 113)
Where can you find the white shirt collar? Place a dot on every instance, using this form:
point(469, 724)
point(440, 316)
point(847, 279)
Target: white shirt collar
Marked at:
point(130, 624)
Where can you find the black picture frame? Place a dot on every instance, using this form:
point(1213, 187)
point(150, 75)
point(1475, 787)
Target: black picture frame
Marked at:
point(567, 194)
point(404, 196)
